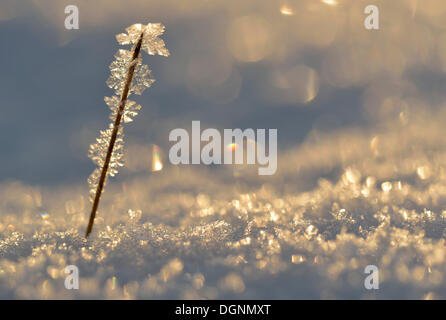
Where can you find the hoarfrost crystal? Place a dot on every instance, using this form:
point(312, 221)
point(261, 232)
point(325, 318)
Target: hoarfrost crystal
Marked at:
point(151, 42)
point(98, 153)
point(122, 78)
point(119, 69)
point(130, 111)
point(142, 77)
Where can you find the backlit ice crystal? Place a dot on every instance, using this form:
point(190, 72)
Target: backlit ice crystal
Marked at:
point(98, 153)
point(124, 70)
point(142, 77)
point(151, 43)
point(130, 111)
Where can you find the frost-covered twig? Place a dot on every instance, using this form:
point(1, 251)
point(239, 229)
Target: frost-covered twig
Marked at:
point(128, 74)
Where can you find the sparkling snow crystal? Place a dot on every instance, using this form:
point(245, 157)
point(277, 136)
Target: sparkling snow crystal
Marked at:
point(195, 236)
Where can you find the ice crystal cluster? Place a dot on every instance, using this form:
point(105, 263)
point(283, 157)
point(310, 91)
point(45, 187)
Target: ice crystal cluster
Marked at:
point(142, 79)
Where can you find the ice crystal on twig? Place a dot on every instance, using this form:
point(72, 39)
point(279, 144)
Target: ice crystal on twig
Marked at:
point(98, 150)
point(130, 111)
point(128, 75)
point(142, 77)
point(151, 42)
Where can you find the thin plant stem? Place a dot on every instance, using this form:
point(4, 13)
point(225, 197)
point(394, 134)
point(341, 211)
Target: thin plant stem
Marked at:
point(114, 134)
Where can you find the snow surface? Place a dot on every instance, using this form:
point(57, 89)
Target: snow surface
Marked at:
point(338, 203)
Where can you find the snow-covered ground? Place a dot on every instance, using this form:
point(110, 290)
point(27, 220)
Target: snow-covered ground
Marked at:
point(338, 203)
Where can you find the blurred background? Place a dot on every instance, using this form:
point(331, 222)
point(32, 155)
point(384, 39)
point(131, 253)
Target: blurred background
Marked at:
point(305, 67)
